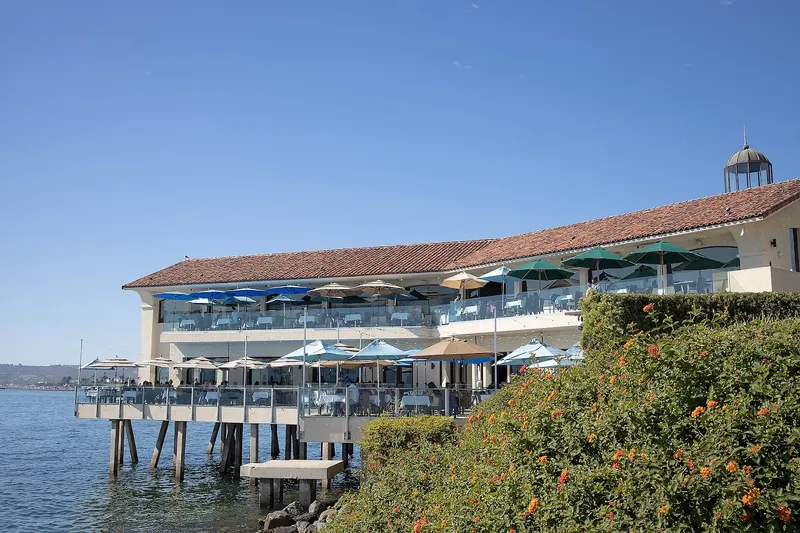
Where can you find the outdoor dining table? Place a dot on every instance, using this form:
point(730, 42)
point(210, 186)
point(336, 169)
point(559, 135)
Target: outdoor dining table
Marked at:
point(402, 317)
point(355, 318)
point(511, 304)
point(471, 310)
point(129, 395)
point(261, 395)
point(415, 400)
point(187, 323)
point(264, 321)
point(307, 319)
point(223, 322)
point(212, 396)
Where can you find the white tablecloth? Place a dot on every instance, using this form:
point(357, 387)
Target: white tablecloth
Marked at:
point(513, 303)
point(264, 320)
point(261, 395)
point(187, 323)
point(400, 316)
point(129, 394)
point(212, 396)
point(352, 318)
point(330, 398)
point(412, 401)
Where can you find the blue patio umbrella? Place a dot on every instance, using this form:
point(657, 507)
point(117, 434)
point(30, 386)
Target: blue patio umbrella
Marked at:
point(236, 300)
point(211, 294)
point(575, 352)
point(174, 295)
point(533, 350)
point(315, 352)
point(499, 275)
point(287, 289)
point(379, 350)
point(248, 292)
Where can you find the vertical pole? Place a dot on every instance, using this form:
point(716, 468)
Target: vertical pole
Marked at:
point(121, 443)
point(213, 439)
point(495, 347)
point(131, 442)
point(253, 449)
point(223, 438)
point(114, 447)
point(78, 386)
point(275, 448)
point(345, 455)
point(162, 433)
point(327, 455)
point(180, 431)
point(237, 463)
point(295, 443)
point(174, 443)
point(303, 369)
point(287, 442)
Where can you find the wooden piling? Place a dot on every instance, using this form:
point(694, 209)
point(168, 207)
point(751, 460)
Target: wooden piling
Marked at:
point(180, 431)
point(253, 450)
point(327, 452)
point(227, 455)
point(287, 442)
point(295, 443)
point(162, 433)
point(174, 444)
point(131, 442)
point(213, 439)
point(121, 444)
point(345, 455)
point(113, 462)
point(275, 448)
point(223, 438)
point(237, 465)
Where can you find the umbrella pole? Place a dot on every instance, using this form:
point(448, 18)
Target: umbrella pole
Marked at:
point(303, 369)
point(80, 363)
point(495, 350)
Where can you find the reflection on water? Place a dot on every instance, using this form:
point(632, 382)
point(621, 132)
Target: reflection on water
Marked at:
point(55, 475)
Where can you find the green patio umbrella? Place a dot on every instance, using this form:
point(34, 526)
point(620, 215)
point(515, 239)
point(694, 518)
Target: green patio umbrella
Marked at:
point(541, 270)
point(704, 263)
point(733, 263)
point(597, 259)
point(642, 271)
point(662, 253)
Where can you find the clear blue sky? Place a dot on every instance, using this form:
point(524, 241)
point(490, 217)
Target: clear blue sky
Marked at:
point(132, 133)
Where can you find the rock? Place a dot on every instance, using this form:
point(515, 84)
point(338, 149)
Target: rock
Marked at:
point(327, 515)
point(319, 526)
point(303, 526)
point(305, 517)
point(294, 509)
point(284, 529)
point(277, 519)
point(261, 523)
point(317, 507)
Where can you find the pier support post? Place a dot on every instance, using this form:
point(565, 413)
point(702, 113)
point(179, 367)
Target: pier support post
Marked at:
point(253, 449)
point(287, 442)
point(114, 457)
point(308, 492)
point(327, 453)
point(237, 464)
point(223, 438)
point(295, 443)
point(175, 444)
point(131, 442)
point(162, 433)
point(227, 455)
point(121, 443)
point(213, 439)
point(270, 492)
point(345, 455)
point(180, 431)
point(275, 448)
point(303, 451)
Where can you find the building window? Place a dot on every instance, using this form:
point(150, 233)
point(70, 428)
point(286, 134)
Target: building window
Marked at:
point(794, 240)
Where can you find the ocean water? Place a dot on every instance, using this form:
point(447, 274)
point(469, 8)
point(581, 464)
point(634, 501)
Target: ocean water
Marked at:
point(54, 475)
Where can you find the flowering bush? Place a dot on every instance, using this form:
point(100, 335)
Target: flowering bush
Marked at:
point(672, 443)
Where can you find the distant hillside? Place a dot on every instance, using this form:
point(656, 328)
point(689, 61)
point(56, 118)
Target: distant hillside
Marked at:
point(32, 374)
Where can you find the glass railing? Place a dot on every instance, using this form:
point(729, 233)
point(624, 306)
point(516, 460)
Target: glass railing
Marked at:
point(254, 396)
point(361, 400)
point(553, 300)
point(317, 317)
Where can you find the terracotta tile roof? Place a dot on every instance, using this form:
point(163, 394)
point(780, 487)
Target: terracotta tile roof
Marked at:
point(672, 218)
point(438, 257)
point(344, 262)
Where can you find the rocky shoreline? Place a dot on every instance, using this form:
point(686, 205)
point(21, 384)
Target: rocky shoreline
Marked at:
point(294, 519)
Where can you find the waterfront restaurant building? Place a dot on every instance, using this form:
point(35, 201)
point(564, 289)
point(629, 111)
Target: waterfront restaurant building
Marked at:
point(754, 230)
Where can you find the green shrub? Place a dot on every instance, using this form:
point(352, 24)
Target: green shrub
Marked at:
point(609, 317)
point(382, 436)
point(696, 430)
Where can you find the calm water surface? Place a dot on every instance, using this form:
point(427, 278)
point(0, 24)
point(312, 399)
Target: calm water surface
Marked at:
point(54, 475)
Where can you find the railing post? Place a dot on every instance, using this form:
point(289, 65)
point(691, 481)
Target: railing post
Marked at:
point(397, 402)
point(272, 404)
point(346, 414)
point(446, 402)
point(144, 394)
point(166, 392)
point(191, 404)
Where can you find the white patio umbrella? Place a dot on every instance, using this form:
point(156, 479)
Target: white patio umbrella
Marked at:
point(333, 290)
point(378, 350)
point(249, 364)
point(199, 363)
point(114, 364)
point(160, 362)
point(464, 281)
point(379, 288)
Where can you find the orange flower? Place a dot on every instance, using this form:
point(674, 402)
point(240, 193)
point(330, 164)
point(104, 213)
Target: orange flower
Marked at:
point(563, 477)
point(678, 454)
point(511, 469)
point(750, 497)
point(491, 418)
point(397, 509)
point(542, 459)
point(662, 510)
point(690, 464)
point(453, 477)
point(615, 465)
point(649, 307)
point(652, 350)
point(630, 342)
point(525, 424)
point(415, 493)
point(424, 477)
point(417, 527)
point(511, 402)
point(632, 454)
point(704, 353)
point(705, 471)
point(747, 469)
point(555, 414)
point(612, 380)
point(523, 369)
point(594, 407)
point(433, 459)
point(503, 413)
point(495, 478)
point(622, 361)
point(470, 419)
point(610, 515)
point(618, 454)
point(784, 513)
point(551, 395)
point(763, 412)
point(591, 438)
point(533, 505)
point(698, 411)
point(755, 449)
point(730, 467)
point(746, 516)
point(712, 404)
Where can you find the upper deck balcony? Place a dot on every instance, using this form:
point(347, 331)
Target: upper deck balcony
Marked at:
point(535, 309)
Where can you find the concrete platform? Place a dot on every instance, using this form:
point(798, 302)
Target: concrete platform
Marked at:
point(272, 474)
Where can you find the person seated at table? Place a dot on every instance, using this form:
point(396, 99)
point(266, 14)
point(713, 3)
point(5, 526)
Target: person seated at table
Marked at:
point(196, 382)
point(352, 394)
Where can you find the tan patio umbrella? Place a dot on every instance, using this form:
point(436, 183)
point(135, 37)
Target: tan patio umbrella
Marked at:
point(463, 281)
point(452, 350)
point(198, 363)
point(160, 362)
point(346, 348)
point(352, 364)
point(379, 288)
point(249, 364)
point(333, 290)
point(114, 364)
